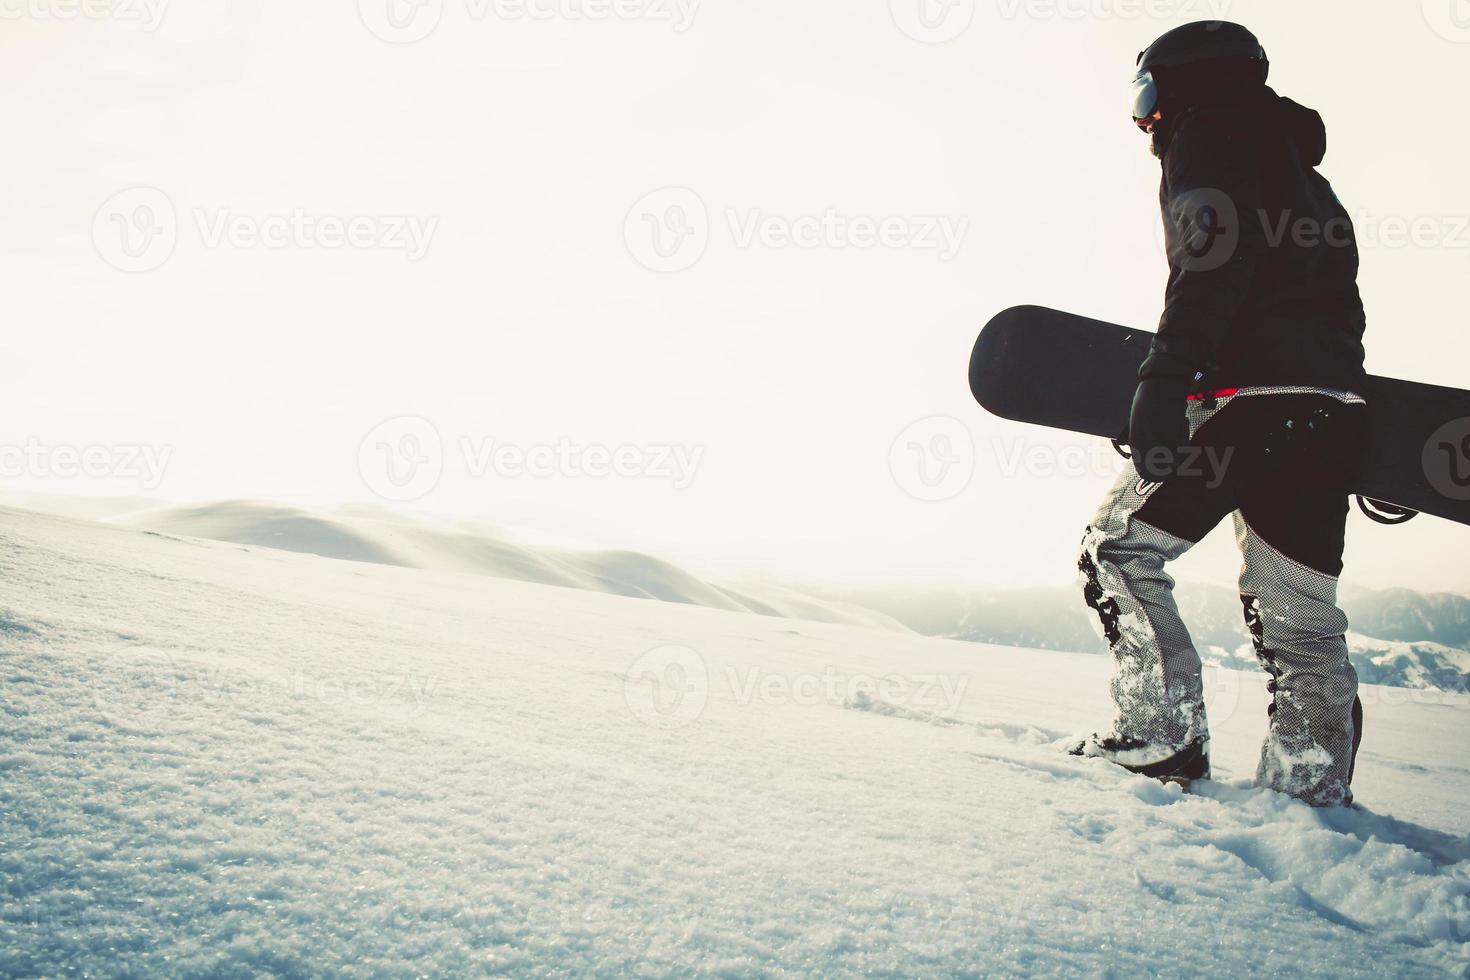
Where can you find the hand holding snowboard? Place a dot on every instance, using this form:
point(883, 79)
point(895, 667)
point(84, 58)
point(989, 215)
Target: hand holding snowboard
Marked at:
point(1157, 428)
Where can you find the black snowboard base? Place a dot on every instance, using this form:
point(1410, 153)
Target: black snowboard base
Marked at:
point(1046, 367)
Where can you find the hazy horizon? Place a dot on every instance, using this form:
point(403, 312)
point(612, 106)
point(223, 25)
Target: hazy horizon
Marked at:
point(733, 256)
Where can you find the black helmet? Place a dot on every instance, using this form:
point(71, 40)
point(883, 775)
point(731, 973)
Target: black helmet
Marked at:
point(1206, 44)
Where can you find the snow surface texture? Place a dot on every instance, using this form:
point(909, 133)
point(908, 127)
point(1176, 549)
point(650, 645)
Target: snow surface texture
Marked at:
point(225, 760)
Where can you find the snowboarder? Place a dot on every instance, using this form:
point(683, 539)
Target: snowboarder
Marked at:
point(1248, 404)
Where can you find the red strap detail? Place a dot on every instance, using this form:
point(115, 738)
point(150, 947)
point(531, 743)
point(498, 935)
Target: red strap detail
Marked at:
point(1218, 393)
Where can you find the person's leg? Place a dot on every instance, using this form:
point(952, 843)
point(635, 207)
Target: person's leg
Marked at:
point(1292, 549)
point(1156, 686)
point(1290, 530)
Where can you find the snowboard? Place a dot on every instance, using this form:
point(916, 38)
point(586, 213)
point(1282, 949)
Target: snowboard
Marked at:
point(1033, 364)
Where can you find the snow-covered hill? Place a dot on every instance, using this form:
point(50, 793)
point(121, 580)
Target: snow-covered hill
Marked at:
point(379, 537)
point(1048, 619)
point(222, 760)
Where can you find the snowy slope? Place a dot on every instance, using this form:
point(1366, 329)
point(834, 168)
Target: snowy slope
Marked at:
point(223, 760)
point(382, 539)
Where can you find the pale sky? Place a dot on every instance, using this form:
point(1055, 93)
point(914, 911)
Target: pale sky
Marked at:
point(495, 176)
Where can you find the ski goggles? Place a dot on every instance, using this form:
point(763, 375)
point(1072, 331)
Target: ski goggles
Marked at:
point(1145, 96)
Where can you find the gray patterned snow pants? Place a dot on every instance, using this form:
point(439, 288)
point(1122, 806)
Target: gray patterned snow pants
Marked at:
point(1280, 461)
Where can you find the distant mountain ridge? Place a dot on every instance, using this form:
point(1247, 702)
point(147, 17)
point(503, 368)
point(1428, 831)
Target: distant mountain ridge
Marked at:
point(1399, 637)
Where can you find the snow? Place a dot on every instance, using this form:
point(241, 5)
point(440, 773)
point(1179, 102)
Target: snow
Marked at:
point(368, 535)
point(230, 760)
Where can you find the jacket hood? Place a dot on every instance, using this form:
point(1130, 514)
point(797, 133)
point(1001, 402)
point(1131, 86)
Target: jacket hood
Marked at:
point(1304, 127)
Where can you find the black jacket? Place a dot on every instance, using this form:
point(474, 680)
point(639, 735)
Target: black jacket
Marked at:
point(1263, 259)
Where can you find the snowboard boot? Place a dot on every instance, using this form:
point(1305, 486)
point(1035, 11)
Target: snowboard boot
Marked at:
point(1168, 764)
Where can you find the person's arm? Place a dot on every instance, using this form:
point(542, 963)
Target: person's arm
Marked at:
point(1212, 209)
point(1213, 176)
